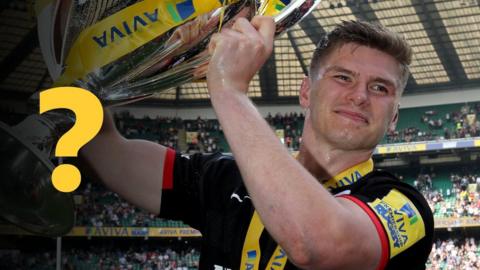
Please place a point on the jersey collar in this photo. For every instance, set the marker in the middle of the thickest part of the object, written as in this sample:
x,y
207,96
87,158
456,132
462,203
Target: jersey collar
x,y
350,175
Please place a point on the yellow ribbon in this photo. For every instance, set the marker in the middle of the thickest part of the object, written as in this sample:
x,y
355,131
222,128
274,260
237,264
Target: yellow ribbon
x,y
127,30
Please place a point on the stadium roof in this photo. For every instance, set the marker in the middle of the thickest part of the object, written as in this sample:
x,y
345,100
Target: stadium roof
x,y
445,36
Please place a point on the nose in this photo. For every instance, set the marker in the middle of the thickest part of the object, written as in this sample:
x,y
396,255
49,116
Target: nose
x,y
358,95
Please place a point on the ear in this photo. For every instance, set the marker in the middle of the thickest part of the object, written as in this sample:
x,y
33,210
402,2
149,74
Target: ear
x,y
305,93
394,121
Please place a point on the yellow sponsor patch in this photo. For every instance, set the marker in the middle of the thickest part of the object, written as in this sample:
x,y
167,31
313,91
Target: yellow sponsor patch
x,y
401,220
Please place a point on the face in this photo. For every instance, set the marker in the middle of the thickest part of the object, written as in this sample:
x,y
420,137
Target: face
x,y
353,99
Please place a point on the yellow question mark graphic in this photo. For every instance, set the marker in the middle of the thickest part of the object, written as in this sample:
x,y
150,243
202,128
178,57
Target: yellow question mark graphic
x,y
89,118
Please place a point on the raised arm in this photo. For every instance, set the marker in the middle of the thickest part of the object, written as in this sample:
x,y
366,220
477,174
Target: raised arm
x,y
317,230
131,168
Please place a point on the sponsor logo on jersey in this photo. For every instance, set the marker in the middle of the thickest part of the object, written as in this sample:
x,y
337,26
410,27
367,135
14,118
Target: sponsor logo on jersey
x,y
395,223
412,216
349,176
349,179
401,220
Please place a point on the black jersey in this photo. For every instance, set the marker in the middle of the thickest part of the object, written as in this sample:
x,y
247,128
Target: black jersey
x,y
207,193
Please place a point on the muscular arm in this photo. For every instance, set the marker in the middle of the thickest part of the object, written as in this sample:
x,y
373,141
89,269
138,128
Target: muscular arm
x,y
317,230
131,168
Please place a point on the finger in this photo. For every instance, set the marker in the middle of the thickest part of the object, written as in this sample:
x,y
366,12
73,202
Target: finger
x,y
218,38
186,34
200,71
243,26
230,33
213,43
180,34
265,25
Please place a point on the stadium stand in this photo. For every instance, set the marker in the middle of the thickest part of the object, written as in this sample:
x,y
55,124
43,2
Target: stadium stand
x,y
450,195
441,122
106,256
97,207
161,130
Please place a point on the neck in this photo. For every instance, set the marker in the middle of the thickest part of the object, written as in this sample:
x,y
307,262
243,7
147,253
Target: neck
x,y
324,162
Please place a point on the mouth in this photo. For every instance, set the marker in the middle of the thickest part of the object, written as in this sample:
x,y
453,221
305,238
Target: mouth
x,y
354,116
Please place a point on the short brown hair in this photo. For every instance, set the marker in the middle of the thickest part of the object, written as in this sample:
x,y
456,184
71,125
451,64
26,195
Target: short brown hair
x,y
367,34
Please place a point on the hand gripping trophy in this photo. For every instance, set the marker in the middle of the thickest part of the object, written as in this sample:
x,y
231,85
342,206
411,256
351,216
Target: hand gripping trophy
x,y
121,51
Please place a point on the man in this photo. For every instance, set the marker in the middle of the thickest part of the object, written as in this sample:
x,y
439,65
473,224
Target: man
x,y
327,209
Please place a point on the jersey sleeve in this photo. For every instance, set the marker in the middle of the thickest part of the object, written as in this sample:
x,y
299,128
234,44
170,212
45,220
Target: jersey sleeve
x,y
193,184
403,221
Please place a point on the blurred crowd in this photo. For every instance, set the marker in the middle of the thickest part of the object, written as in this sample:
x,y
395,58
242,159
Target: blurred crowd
x,y
451,254
433,125
460,199
291,125
206,135
459,253
103,258
202,135
98,207
162,130
455,254
467,122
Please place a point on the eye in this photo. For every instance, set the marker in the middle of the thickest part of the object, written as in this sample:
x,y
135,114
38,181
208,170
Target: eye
x,y
379,88
342,77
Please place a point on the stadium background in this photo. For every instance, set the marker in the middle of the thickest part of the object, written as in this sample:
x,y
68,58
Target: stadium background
x,y
435,148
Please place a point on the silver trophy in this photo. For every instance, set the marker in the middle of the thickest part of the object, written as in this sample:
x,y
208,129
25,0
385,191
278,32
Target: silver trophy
x,y
122,51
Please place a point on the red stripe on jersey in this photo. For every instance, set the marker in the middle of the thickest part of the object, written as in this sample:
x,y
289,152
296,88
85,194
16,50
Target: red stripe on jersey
x,y
378,225
168,169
